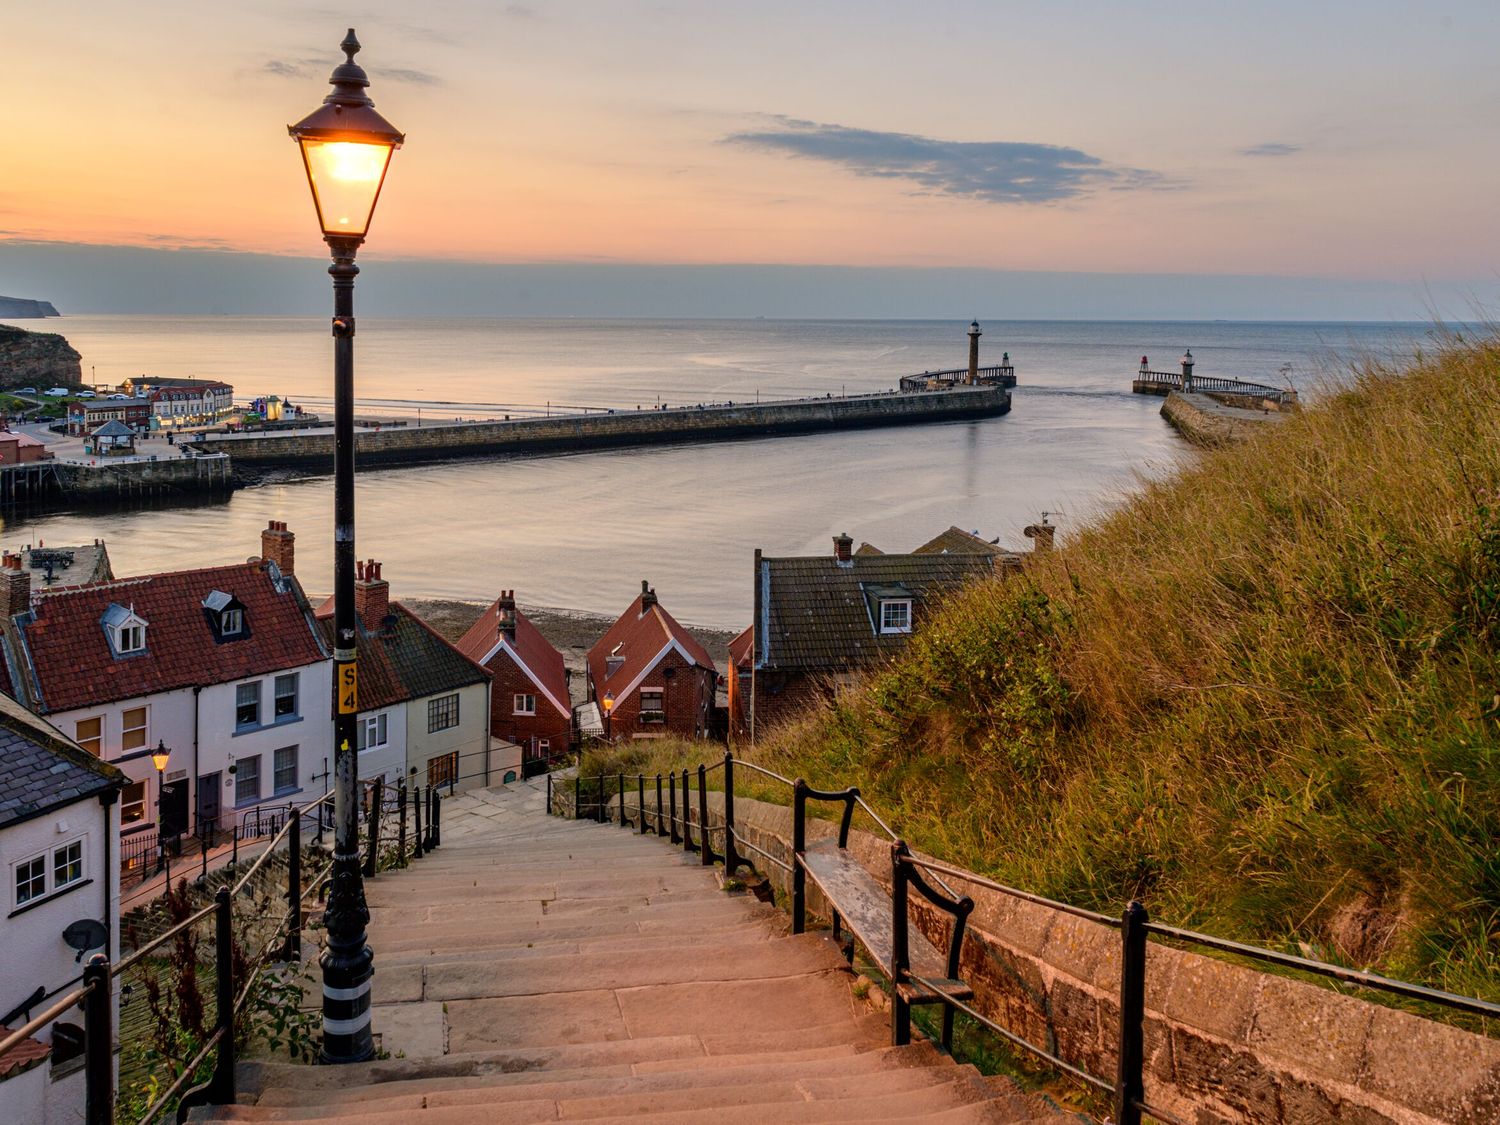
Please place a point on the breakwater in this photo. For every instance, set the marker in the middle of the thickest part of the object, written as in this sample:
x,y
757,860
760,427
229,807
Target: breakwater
x,y
612,430
61,484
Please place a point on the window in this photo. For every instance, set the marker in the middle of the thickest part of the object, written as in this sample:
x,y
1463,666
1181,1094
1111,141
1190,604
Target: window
x,y
232,622
247,704
371,733
133,729
286,769
442,771
133,803
442,713
67,865
286,696
89,733
247,780
31,879
895,616
544,747
132,638
524,705
653,706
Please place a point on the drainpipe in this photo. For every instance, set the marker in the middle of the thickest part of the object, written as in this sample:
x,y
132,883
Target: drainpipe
x,y
197,773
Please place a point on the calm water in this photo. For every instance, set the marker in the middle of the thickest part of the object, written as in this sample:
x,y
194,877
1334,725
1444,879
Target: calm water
x,y
582,531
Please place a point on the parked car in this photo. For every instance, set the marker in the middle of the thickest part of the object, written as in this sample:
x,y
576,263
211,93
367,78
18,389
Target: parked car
x,y
119,396
57,392
87,394
25,390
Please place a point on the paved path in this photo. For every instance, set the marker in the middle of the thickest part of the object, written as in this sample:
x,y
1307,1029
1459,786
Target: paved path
x,y
536,969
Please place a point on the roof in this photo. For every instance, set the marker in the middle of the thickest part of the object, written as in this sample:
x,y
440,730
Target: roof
x,y
41,769
640,636
70,663
532,653
956,541
99,405
23,1056
77,565
19,439
114,428
817,615
869,549
741,649
406,661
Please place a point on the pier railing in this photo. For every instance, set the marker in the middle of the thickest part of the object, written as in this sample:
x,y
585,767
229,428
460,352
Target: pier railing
x,y
1160,382
1002,374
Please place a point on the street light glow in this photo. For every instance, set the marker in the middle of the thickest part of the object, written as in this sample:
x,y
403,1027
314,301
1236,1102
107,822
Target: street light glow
x,y
345,178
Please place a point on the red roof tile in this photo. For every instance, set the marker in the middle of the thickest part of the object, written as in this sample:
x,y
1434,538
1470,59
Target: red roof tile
x,y
640,635
23,1056
409,660
74,665
530,649
740,648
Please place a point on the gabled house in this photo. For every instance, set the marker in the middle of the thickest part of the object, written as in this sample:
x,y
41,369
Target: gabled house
x,y
59,818
821,620
223,667
424,705
650,676
530,704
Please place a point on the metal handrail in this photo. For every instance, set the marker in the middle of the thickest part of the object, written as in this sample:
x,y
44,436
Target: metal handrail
x,y
160,939
24,1032
762,769
293,811
744,843
182,1079
1027,896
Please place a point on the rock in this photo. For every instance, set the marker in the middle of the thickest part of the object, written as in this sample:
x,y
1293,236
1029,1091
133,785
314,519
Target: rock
x,y
24,308
37,359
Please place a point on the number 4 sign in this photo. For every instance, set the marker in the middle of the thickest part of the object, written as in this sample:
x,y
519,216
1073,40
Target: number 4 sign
x,y
348,688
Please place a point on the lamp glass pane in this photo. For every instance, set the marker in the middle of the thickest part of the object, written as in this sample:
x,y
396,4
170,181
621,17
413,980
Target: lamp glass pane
x,y
345,178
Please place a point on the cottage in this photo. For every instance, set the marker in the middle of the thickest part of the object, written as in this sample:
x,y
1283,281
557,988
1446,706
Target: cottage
x,y
530,704
423,703
59,817
650,676
22,449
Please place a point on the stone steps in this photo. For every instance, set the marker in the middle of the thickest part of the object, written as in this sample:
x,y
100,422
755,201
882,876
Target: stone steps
x,y
533,969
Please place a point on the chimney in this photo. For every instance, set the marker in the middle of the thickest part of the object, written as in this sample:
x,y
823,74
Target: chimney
x,y
507,613
15,586
1042,533
648,596
843,548
277,545
372,595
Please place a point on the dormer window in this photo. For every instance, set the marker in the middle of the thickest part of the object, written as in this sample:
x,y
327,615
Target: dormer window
x,y
895,615
125,629
226,616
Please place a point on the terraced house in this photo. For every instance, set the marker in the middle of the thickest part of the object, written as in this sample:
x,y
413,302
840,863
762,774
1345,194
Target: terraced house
x,y
224,668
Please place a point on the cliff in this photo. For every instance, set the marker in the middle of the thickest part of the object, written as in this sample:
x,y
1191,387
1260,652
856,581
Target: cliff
x,y
37,359
23,308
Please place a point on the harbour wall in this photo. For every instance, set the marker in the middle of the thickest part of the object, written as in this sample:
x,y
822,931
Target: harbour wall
x,y
1212,424
577,432
57,484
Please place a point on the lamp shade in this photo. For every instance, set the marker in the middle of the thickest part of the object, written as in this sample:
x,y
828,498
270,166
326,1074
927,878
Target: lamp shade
x,y
609,702
346,148
160,755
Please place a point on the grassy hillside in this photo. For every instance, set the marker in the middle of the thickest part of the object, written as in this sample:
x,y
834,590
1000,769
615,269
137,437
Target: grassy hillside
x,y
1262,697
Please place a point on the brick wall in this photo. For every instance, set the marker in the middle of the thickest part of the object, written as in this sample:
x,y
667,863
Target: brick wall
x,y
687,692
547,723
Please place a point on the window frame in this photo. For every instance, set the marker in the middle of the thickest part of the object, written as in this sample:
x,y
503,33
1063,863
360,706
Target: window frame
x,y
63,849
130,632
277,714
903,604
656,714
125,803
379,721
16,879
97,739
277,788
126,731
240,723
240,775
523,703
438,709
232,622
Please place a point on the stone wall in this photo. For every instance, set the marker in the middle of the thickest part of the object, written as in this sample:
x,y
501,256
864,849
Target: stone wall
x,y
1224,1043
1213,424
618,429
37,359
124,479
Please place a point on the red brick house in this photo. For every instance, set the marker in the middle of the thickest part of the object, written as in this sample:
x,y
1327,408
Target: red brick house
x,y
529,704
660,678
741,677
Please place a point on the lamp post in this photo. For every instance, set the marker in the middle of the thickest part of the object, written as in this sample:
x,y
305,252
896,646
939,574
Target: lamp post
x,y
609,707
159,758
346,148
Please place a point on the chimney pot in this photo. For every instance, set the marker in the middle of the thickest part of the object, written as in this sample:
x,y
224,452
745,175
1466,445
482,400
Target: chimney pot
x,y
843,547
15,587
278,545
648,595
372,596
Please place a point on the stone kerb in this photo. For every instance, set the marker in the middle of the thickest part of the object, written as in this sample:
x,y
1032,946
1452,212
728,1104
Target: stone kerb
x,y
1224,1043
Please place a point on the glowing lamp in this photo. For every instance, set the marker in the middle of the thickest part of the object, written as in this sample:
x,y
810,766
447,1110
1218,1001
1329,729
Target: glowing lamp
x,y
346,148
609,702
160,755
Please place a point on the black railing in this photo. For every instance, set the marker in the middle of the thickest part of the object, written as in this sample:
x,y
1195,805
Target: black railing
x,y
1001,373
591,800
1173,380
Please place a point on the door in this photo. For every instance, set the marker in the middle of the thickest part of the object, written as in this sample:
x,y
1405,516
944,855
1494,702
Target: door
x,y
174,808
210,786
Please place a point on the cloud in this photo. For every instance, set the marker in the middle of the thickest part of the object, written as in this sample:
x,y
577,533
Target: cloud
x,y
282,68
992,171
1271,148
404,74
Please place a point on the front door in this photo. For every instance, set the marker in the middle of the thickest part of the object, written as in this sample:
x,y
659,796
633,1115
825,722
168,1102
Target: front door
x,y
174,808
210,785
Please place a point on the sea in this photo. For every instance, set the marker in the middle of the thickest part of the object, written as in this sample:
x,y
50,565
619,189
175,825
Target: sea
x,y
582,531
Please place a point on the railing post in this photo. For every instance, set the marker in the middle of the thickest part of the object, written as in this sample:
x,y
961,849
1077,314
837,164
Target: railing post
x,y
705,853
234,847
621,780
416,812
731,856
293,947
687,805
1130,1086
640,801
437,818
799,845
660,830
400,821
221,1085
900,949
427,840
373,823
99,1043
549,792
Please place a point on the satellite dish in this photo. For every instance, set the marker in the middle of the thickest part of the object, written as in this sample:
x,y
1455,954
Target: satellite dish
x,y
83,935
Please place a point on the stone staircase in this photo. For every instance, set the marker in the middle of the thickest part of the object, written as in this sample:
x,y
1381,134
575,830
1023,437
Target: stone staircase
x,y
537,969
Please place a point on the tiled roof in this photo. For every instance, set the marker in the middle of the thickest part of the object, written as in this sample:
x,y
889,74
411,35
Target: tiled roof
x,y
530,648
640,634
23,1056
408,661
40,769
869,549
72,664
956,541
815,615
741,648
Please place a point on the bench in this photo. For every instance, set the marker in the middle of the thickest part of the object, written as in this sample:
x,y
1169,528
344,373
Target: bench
x,y
858,901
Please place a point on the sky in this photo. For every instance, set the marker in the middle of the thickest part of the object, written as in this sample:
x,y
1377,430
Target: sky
x,y
1349,145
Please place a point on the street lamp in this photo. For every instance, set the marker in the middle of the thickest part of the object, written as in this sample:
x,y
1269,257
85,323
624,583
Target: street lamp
x,y
346,147
609,707
159,759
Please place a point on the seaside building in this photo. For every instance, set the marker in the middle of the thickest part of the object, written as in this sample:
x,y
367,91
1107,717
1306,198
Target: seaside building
x,y
87,416
190,402
223,667
111,439
22,449
655,675
530,704
423,703
59,819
